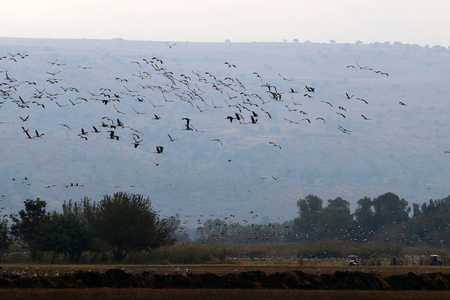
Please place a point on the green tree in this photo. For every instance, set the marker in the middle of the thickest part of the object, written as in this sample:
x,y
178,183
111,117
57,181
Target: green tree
x,y
27,225
429,223
64,234
389,209
5,238
83,212
364,214
127,223
335,219
309,209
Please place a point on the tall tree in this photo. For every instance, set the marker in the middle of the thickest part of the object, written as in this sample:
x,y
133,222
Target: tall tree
x,y
430,223
389,209
5,238
127,223
309,209
364,215
64,234
335,220
28,223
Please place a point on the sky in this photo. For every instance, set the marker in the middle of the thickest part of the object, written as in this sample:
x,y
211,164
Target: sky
x,y
345,21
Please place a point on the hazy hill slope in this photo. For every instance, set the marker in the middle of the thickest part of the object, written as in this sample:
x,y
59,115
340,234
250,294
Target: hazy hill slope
x,y
400,149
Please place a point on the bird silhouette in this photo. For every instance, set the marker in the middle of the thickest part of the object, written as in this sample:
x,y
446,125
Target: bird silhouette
x,y
272,143
187,125
39,135
170,45
217,140
171,139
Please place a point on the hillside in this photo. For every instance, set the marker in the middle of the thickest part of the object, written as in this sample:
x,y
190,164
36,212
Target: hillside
x,y
218,167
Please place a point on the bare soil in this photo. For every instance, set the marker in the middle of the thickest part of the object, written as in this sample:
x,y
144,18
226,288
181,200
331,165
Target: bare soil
x,y
222,269
217,294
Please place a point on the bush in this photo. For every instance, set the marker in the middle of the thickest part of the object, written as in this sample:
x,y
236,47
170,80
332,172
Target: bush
x,y
17,257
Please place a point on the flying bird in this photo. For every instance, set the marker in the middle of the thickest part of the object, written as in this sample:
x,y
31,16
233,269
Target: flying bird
x,y
39,135
363,100
170,45
344,130
284,78
309,89
320,118
217,140
272,143
230,65
188,121
171,139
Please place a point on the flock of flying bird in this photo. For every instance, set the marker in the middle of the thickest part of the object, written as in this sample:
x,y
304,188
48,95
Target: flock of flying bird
x,y
188,88
242,104
152,85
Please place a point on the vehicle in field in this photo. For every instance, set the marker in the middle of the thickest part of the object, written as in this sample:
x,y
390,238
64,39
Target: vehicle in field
x,y
436,260
353,260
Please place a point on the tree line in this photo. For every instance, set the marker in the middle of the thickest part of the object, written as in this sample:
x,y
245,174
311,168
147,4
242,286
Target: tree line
x,y
386,218
124,223
120,223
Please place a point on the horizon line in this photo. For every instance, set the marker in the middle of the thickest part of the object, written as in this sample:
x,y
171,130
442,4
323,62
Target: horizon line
x,y
225,41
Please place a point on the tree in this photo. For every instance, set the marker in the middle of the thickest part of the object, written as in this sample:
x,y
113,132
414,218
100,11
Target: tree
x,y
63,234
28,225
127,223
364,214
309,209
389,209
430,223
335,219
5,239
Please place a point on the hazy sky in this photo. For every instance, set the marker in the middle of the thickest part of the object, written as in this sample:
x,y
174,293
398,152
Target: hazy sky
x,y
408,21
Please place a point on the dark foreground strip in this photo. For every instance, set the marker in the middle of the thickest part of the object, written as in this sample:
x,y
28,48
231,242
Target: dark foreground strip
x,y
117,278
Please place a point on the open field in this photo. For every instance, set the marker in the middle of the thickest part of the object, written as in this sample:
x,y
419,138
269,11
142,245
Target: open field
x,y
222,269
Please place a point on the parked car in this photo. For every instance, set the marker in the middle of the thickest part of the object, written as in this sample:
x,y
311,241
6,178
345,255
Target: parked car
x,y
353,260
436,260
